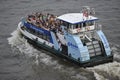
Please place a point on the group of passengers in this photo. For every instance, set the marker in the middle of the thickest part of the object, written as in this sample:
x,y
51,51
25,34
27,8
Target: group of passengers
x,y
46,21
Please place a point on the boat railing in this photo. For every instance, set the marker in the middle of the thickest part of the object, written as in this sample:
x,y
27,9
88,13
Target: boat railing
x,y
98,27
46,21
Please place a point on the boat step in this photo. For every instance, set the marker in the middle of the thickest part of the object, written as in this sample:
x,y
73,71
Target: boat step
x,y
94,48
97,49
92,54
90,47
96,45
99,53
95,42
91,51
89,43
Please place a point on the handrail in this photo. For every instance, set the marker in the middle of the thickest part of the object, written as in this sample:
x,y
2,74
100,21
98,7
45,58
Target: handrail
x,y
98,27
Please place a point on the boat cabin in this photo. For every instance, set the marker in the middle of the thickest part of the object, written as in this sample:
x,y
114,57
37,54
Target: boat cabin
x,y
76,22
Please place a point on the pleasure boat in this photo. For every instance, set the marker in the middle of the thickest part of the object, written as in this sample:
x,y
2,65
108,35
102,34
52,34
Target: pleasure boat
x,y
76,37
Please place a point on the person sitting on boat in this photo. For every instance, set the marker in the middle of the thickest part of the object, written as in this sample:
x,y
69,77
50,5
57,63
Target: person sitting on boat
x,y
46,21
31,19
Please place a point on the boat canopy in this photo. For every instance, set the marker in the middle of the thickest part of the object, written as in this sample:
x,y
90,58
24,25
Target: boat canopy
x,y
74,18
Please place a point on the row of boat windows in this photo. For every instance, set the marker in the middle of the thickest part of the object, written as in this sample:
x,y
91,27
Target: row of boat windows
x,y
79,25
38,34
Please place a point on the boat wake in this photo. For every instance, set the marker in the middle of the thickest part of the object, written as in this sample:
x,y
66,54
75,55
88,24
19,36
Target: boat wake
x,y
108,71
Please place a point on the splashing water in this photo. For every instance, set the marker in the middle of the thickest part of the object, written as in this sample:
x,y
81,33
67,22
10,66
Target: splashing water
x,y
24,47
107,71
20,43
100,72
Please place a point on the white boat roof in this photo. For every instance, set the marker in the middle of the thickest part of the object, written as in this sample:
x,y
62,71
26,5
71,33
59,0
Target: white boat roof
x,y
74,18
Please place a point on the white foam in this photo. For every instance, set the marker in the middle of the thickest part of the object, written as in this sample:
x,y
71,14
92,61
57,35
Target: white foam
x,y
16,40
98,76
116,51
112,69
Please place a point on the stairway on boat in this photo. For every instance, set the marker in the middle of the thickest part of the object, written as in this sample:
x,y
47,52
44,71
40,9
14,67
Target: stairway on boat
x,y
94,48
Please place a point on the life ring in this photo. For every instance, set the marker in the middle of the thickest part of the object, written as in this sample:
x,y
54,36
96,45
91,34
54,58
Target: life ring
x,y
88,28
78,30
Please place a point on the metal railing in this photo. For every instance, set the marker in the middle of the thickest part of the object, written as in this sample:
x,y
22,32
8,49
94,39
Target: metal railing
x,y
98,27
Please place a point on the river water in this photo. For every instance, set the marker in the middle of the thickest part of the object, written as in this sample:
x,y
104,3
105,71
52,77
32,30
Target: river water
x,y
19,60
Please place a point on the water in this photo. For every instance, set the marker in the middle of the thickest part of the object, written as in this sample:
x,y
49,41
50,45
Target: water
x,y
21,61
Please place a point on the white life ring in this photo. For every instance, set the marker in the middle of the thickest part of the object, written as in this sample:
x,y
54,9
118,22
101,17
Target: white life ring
x,y
78,30
87,28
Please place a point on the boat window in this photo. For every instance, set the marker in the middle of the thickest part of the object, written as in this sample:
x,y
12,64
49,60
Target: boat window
x,y
31,30
44,37
90,23
70,26
74,26
65,24
48,38
84,24
39,34
77,26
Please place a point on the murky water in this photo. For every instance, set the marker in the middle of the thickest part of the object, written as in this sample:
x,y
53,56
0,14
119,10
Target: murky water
x,y
19,60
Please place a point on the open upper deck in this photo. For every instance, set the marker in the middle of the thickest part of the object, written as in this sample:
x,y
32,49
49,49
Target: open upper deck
x,y
74,18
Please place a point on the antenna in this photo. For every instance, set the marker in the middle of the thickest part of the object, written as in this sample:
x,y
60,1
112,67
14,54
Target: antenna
x,y
92,11
86,10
